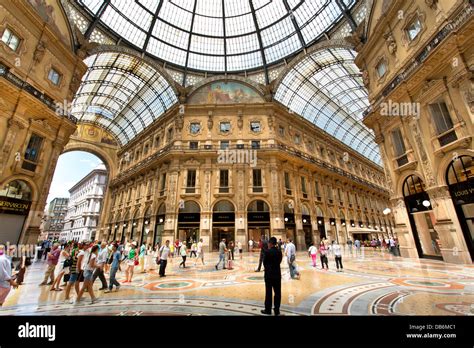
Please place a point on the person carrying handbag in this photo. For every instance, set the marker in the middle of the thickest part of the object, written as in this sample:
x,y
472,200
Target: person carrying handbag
x,y
132,261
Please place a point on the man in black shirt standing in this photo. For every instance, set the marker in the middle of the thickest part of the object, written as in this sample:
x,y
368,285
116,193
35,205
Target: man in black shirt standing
x,y
271,262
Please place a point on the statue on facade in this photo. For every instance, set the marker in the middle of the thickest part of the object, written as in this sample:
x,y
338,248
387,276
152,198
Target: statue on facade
x,y
391,44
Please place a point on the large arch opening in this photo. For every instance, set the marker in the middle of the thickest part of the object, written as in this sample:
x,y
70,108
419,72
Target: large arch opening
x,y
76,197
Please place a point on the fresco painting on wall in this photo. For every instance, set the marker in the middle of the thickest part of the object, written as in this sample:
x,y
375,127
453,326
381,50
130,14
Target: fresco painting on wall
x,y
225,93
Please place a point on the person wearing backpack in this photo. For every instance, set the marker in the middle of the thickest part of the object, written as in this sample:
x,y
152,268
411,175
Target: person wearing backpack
x,y
89,269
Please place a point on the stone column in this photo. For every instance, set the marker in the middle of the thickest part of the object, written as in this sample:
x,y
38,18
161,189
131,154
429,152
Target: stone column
x,y
14,127
403,229
171,222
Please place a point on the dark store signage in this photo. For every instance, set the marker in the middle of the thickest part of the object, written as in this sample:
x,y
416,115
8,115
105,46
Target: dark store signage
x,y
289,219
414,202
259,216
14,206
189,217
223,217
462,192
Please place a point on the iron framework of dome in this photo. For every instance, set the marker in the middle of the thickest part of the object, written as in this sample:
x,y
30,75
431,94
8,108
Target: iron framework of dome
x,y
218,35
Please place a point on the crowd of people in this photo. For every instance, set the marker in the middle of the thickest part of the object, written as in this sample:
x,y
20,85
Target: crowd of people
x,y
78,264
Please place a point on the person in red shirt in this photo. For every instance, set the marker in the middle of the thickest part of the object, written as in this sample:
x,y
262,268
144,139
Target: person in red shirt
x,y
53,257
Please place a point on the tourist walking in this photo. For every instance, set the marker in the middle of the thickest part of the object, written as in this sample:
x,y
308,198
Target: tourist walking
x,y
163,257
101,262
349,245
53,258
291,258
323,250
114,267
263,247
193,249
64,264
141,258
272,276
250,245
222,251
336,248
74,270
6,279
231,250
200,252
239,246
312,252
132,261
183,253
89,269
357,246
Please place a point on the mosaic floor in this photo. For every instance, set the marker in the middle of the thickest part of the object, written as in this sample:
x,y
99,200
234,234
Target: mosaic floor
x,y
375,283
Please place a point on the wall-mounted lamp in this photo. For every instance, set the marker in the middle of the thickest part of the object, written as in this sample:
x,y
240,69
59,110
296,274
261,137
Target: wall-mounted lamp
x,y
343,224
426,203
161,220
124,225
387,211
320,222
134,224
304,221
146,222
286,219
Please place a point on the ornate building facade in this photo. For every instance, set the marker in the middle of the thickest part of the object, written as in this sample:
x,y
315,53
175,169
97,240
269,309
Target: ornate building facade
x,y
418,63
213,168
40,69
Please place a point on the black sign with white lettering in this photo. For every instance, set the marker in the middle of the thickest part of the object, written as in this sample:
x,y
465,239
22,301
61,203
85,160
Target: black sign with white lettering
x,y
15,206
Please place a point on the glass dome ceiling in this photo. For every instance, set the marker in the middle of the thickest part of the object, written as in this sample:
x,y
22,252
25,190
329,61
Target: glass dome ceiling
x,y
218,35
122,94
326,88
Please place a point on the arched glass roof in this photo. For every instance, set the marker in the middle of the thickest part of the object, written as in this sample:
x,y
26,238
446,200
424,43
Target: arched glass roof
x,y
326,88
122,94
218,35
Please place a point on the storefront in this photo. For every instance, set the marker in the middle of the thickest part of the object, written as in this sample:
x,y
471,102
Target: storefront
x,y
258,221
320,223
189,218
15,204
223,223
460,180
422,219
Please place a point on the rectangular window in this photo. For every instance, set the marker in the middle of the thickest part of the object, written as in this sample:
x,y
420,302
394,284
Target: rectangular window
x,y
224,144
255,144
441,117
381,69
163,184
297,139
330,193
191,181
10,39
303,187
54,76
287,183
398,144
224,180
169,134
316,189
193,145
281,130
240,146
32,152
257,180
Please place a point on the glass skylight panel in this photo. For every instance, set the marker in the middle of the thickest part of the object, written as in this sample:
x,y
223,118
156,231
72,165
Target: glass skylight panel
x,y
277,32
243,44
236,8
270,13
170,34
211,8
209,63
208,26
151,5
92,5
244,61
239,25
166,52
176,15
122,26
207,45
282,49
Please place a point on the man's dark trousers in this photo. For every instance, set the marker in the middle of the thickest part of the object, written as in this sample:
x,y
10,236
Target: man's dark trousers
x,y
99,272
163,267
272,285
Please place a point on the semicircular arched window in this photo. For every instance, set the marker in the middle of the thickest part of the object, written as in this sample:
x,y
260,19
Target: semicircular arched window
x,y
18,189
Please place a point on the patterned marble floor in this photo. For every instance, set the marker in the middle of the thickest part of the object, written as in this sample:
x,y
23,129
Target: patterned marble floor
x,y
375,283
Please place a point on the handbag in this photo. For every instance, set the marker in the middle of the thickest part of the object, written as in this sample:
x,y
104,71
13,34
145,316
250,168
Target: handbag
x,y
136,262
67,262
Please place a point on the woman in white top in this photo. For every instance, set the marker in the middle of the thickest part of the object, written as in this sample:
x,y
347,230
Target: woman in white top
x,y
63,256
250,245
312,252
89,269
